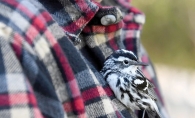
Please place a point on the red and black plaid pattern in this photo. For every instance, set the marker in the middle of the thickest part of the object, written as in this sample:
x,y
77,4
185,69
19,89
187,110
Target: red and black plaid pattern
x,y
58,81
17,98
43,74
43,61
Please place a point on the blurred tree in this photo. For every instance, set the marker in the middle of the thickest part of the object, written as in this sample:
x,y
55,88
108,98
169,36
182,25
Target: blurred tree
x,y
169,31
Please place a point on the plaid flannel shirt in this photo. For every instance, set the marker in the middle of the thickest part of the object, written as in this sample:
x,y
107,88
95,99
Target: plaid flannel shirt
x,y
42,72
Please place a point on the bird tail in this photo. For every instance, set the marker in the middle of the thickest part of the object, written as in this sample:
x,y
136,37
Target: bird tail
x,y
153,114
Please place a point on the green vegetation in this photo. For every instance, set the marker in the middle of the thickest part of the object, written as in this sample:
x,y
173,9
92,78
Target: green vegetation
x,y
169,31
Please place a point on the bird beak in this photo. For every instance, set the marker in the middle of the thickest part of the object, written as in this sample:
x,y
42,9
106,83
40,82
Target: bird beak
x,y
139,63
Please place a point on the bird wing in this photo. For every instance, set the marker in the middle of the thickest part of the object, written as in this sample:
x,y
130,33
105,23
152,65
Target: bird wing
x,y
151,92
149,87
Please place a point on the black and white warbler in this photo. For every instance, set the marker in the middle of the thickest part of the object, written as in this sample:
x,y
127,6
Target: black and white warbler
x,y
129,84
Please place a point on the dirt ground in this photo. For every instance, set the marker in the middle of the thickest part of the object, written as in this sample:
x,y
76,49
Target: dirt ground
x,y
178,88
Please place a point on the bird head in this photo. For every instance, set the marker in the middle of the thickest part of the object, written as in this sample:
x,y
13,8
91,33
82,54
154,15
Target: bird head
x,y
122,61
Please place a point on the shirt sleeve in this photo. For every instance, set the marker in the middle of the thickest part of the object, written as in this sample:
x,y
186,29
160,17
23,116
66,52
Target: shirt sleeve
x,y
17,99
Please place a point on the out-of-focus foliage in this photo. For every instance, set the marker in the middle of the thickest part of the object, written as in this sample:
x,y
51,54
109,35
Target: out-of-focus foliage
x,y
169,31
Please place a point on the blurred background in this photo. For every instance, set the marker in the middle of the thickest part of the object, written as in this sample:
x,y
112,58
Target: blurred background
x,y
169,37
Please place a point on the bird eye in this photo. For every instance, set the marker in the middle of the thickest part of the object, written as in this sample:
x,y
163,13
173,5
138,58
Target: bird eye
x,y
126,62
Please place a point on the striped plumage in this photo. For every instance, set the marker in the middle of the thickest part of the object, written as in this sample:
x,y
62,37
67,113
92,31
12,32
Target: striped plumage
x,y
128,83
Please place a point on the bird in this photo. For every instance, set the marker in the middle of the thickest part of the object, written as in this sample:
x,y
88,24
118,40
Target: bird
x,y
130,86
